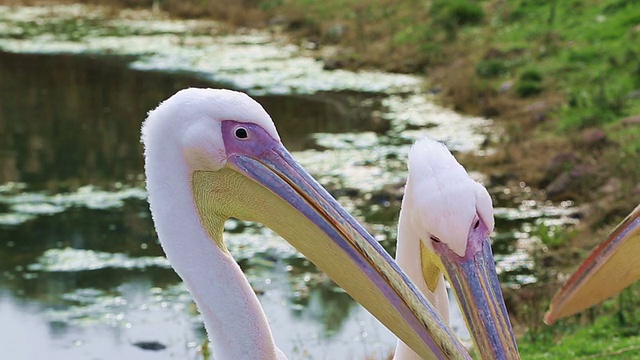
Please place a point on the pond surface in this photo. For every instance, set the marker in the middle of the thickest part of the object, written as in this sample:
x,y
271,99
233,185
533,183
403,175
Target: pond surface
x,y
81,273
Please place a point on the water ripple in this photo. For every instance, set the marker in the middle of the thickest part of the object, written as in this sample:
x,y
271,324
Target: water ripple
x,y
73,260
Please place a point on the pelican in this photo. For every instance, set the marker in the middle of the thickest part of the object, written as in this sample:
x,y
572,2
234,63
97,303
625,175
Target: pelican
x,y
445,222
609,269
214,154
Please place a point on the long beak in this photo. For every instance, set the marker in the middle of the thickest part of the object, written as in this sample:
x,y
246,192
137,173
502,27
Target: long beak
x,y
610,268
477,288
287,199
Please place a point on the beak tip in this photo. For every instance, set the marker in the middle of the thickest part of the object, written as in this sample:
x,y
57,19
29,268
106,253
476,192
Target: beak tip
x,y
549,319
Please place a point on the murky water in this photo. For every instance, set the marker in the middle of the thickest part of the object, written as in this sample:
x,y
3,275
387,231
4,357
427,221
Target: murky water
x,y
81,273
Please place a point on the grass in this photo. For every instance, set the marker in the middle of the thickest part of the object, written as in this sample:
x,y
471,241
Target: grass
x,y
587,53
610,331
602,340
550,236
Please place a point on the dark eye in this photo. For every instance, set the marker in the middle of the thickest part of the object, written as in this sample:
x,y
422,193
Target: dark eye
x,y
434,239
477,223
241,133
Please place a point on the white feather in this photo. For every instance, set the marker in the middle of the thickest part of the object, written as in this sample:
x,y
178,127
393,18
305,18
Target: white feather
x,y
441,200
182,133
444,199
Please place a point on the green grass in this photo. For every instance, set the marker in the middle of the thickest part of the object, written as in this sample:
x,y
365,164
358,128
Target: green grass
x,y
590,342
609,331
550,236
604,339
588,50
626,154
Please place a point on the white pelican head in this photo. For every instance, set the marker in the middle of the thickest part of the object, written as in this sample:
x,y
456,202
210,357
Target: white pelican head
x,y
450,204
453,216
216,154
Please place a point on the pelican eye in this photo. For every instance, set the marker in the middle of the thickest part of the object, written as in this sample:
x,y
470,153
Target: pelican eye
x,y
241,133
476,224
434,239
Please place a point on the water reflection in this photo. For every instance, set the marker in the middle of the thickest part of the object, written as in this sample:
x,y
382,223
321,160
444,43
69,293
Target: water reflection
x,y
68,120
77,297
74,120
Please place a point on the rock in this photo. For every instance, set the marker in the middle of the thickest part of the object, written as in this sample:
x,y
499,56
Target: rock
x,y
635,94
594,137
612,186
150,345
434,90
379,125
576,256
311,44
332,58
550,260
348,192
559,188
332,64
559,185
613,213
560,162
537,111
297,24
278,20
537,106
581,170
500,178
390,193
506,86
335,33
631,120
584,211
493,53
258,292
538,118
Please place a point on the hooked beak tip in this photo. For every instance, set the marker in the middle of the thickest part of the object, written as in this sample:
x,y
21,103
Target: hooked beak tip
x,y
548,318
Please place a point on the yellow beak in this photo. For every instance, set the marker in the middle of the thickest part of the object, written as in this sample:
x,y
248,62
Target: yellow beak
x,y
610,268
264,183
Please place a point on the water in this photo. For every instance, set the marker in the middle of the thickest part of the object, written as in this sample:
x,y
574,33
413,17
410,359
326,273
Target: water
x,y
81,273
